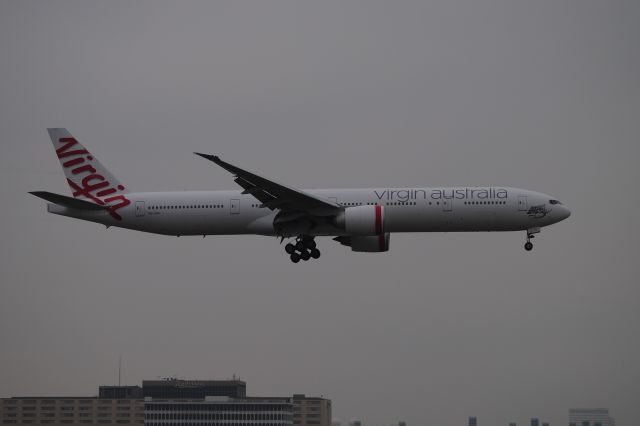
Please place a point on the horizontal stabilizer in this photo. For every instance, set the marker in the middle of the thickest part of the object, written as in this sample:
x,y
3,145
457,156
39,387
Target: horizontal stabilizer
x,y
63,200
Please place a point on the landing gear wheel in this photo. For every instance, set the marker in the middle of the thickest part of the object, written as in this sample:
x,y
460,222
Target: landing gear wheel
x,y
315,253
289,248
299,246
295,257
528,246
305,255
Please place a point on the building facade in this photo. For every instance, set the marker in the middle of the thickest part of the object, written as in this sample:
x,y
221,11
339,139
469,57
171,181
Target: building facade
x,y
168,403
219,411
311,411
71,411
193,389
590,417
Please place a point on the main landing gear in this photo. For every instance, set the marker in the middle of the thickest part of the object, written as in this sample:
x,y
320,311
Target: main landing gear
x,y
303,249
528,246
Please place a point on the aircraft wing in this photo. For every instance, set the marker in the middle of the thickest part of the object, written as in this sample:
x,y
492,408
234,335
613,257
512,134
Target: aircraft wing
x,y
274,195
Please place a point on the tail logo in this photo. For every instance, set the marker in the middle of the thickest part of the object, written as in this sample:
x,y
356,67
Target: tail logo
x,y
90,184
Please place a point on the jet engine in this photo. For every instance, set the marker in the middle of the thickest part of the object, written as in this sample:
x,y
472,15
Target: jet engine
x,y
368,244
362,220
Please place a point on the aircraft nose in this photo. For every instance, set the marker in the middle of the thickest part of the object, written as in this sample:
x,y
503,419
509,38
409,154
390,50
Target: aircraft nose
x,y
564,212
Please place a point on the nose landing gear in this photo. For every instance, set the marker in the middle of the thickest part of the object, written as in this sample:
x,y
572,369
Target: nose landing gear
x,y
528,246
303,249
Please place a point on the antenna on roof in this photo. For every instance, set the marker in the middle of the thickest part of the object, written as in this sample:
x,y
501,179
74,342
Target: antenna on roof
x,y
119,368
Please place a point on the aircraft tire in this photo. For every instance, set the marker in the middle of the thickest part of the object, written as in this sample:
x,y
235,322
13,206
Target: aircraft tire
x,y
295,257
289,248
305,255
309,243
315,253
528,246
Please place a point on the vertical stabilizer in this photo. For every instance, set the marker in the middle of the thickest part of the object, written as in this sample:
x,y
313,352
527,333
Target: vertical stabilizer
x,y
86,176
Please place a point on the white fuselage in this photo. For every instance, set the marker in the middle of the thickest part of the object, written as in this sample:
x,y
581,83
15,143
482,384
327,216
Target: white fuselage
x,y
457,209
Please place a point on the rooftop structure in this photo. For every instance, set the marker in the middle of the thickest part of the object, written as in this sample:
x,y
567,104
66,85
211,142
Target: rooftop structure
x,y
176,388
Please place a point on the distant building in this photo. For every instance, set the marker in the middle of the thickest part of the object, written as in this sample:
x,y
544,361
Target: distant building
x,y
356,423
473,421
333,423
71,411
311,411
193,389
590,417
119,392
168,403
535,422
545,424
216,411
402,424
512,424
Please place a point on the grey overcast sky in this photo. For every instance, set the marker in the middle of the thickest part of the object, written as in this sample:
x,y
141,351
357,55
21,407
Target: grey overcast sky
x,y
543,95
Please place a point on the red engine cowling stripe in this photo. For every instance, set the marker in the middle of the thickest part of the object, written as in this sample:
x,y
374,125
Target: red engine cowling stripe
x,y
379,223
382,246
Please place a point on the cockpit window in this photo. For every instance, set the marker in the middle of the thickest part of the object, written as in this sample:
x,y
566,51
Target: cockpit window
x,y
554,202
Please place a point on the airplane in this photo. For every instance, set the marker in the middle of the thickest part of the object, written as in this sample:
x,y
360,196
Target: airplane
x,y
362,219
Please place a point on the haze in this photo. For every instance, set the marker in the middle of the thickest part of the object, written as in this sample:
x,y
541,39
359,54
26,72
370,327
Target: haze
x,y
543,95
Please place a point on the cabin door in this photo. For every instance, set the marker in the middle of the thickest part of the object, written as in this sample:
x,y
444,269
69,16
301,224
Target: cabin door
x,y
139,208
522,202
234,206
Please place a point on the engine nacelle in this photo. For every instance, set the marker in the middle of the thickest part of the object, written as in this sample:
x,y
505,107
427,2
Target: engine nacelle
x,y
362,220
368,243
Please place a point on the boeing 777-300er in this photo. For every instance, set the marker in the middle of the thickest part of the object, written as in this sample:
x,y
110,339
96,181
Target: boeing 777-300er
x,y
362,219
